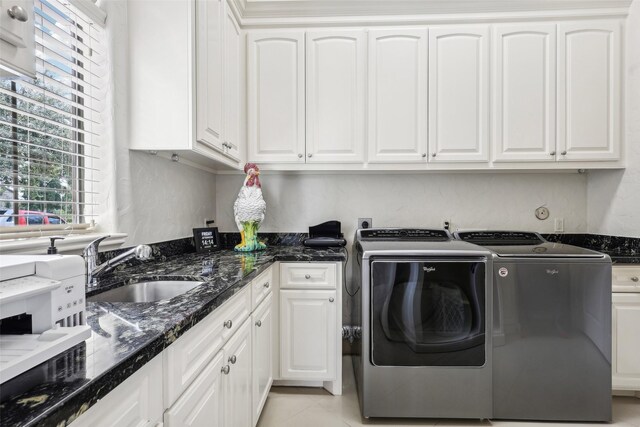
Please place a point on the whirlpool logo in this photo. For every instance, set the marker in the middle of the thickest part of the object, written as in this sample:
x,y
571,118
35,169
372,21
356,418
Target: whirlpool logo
x,y
552,272
429,269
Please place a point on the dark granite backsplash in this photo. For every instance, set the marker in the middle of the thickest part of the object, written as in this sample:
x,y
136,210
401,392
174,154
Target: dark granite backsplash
x,y
620,249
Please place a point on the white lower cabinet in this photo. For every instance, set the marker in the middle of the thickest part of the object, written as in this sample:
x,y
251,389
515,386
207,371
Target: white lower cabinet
x,y
137,402
625,364
308,334
237,379
201,404
262,336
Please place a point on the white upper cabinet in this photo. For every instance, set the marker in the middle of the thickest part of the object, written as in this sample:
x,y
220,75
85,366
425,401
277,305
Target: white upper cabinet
x,y
233,76
524,81
458,94
17,41
209,73
276,97
336,82
589,98
397,110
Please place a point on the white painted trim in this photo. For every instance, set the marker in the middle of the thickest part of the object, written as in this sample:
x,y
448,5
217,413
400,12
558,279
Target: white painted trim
x,y
93,12
71,244
291,21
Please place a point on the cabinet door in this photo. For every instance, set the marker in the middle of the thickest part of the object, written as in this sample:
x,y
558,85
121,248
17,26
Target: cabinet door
x,y
397,95
626,341
525,86
209,73
201,403
336,77
458,94
276,97
589,81
137,402
237,383
308,335
232,79
262,336
17,41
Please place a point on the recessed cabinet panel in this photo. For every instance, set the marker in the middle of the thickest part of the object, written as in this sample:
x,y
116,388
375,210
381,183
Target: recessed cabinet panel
x,y
589,90
232,79
458,94
209,72
336,82
626,341
262,320
524,98
308,334
276,96
201,403
397,110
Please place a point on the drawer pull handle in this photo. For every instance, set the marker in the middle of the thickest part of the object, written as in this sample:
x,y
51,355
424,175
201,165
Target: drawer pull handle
x,y
225,369
331,299
307,276
634,279
266,285
228,324
233,359
259,323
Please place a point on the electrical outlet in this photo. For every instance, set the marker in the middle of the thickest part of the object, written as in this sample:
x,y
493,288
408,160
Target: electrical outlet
x,y
558,225
365,222
446,224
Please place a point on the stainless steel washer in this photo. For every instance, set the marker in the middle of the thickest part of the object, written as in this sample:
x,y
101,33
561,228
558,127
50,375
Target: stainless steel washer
x,y
551,328
423,308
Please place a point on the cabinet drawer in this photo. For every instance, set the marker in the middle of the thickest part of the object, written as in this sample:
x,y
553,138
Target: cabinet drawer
x,y
303,275
188,356
262,285
626,278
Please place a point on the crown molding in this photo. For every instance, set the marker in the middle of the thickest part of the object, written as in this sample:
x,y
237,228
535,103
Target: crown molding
x,y
267,13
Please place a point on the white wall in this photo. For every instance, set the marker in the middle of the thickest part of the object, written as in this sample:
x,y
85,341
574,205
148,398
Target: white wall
x,y
468,200
613,198
150,198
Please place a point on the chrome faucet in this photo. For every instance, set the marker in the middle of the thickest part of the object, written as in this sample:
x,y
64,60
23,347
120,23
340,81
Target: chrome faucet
x,y
90,255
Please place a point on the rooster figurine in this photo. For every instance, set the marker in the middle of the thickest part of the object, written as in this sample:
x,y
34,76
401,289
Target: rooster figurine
x,y
249,210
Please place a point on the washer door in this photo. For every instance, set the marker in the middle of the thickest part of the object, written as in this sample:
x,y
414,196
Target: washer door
x,y
427,313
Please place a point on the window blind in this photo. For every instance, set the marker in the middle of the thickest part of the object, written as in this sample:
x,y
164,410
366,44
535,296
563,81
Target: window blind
x,y
51,128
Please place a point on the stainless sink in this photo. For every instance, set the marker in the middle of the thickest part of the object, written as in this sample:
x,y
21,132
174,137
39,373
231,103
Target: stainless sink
x,y
150,291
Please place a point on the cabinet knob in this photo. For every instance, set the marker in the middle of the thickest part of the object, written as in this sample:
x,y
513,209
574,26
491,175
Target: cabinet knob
x,y
233,359
266,285
553,153
310,155
331,299
228,324
424,154
18,13
225,369
634,279
564,153
300,155
433,154
259,323
307,276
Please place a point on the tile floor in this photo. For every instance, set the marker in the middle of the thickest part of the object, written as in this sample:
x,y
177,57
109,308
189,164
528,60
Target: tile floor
x,y
315,407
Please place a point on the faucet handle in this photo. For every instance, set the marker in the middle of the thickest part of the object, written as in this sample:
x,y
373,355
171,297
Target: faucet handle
x,y
93,246
143,252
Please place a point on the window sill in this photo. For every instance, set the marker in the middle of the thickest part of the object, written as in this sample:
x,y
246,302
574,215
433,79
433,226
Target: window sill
x,y
70,245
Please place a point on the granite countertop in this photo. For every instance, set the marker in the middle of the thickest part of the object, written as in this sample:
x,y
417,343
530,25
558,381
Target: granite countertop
x,y
125,336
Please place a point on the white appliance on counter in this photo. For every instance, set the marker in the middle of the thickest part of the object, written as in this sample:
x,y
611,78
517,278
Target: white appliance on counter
x,y
42,309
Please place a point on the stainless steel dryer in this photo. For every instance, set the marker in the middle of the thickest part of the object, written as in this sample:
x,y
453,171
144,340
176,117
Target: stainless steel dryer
x,y
423,306
551,328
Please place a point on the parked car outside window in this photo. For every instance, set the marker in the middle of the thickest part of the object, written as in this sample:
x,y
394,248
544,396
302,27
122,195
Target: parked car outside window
x,y
28,218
